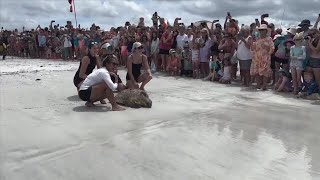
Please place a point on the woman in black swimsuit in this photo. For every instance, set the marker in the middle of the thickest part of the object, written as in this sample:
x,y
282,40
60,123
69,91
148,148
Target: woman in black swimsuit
x,y
138,68
87,64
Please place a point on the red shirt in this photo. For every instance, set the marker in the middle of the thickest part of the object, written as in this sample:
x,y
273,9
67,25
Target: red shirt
x,y
165,46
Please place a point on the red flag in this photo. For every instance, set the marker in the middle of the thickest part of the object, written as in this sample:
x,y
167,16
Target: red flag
x,y
70,1
71,9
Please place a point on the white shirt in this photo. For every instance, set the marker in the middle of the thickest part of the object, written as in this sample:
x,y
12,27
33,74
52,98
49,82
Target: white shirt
x,y
115,41
181,39
96,77
155,46
204,51
67,42
243,53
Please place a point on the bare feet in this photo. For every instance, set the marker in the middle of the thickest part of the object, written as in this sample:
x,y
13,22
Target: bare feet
x,y
103,102
89,104
117,108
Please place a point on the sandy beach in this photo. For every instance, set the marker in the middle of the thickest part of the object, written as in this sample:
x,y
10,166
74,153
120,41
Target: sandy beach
x,y
195,130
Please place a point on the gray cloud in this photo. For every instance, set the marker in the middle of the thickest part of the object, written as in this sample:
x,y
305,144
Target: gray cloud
x,y
107,13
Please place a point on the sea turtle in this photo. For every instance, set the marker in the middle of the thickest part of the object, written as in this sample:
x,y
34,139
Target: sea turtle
x,y
134,98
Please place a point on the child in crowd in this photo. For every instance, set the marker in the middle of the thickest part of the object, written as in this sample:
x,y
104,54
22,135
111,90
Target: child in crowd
x,y
215,70
124,51
284,82
226,77
186,60
172,67
297,56
309,88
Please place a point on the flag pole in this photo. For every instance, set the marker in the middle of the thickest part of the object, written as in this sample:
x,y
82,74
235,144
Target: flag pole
x,y
75,13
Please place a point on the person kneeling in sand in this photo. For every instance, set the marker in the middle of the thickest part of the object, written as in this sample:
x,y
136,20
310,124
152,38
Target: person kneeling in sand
x,y
309,88
98,85
138,68
284,83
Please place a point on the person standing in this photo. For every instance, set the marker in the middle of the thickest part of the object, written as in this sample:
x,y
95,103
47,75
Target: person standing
x,y
244,54
262,50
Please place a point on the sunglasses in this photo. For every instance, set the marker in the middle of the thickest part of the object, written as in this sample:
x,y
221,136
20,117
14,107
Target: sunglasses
x,y
139,47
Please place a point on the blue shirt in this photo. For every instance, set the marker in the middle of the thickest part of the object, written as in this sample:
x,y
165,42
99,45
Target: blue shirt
x,y
42,40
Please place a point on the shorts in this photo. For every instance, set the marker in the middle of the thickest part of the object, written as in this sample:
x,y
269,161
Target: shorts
x,y
245,64
84,95
298,64
163,51
281,60
314,62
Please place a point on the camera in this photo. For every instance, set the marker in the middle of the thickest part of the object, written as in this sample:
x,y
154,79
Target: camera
x,y
127,23
264,15
229,14
53,21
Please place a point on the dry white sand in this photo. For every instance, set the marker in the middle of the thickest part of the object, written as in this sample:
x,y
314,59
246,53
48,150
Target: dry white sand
x,y
195,130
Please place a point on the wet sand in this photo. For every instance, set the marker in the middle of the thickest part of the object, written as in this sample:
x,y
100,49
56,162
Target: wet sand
x,y
195,130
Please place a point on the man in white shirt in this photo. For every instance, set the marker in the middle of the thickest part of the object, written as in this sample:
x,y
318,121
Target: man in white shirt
x,y
98,85
182,37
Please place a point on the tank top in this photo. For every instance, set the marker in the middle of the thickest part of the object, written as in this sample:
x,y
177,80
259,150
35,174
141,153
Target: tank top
x,y
90,68
136,70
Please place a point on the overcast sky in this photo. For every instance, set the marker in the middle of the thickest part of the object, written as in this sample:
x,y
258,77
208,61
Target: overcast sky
x,y
107,13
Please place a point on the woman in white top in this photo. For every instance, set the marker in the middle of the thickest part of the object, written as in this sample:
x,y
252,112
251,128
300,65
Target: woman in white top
x,y
205,44
98,85
154,49
244,54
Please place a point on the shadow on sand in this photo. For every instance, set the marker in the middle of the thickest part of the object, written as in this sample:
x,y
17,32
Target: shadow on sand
x,y
74,98
99,108
316,103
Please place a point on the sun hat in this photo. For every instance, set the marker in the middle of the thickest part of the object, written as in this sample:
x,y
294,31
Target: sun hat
x,y
135,46
292,30
305,22
263,27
